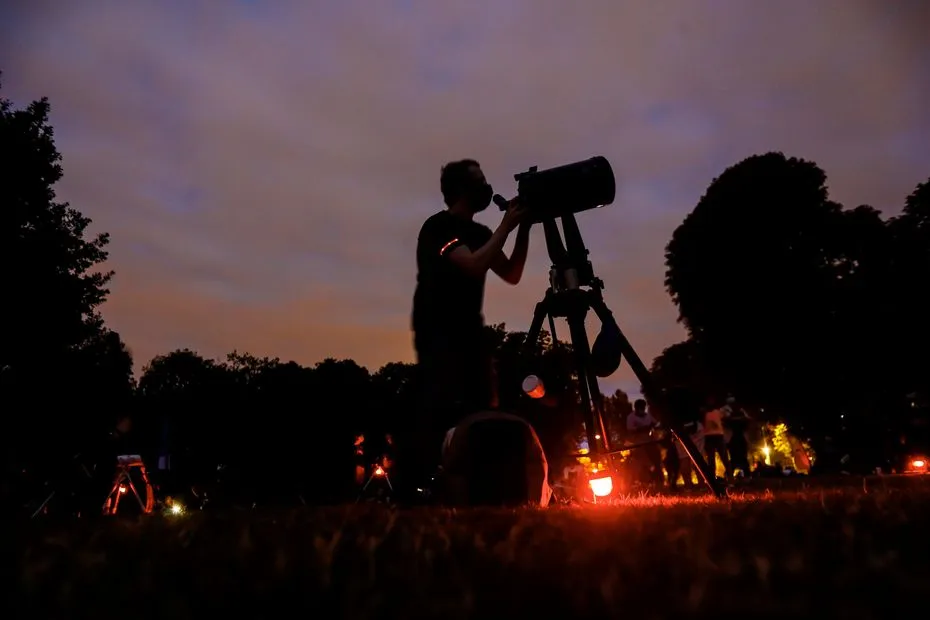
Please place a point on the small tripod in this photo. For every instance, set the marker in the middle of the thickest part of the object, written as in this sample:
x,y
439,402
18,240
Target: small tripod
x,y
122,484
573,290
378,474
69,487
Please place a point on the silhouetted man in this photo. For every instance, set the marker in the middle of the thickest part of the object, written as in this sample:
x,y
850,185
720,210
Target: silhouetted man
x,y
454,254
714,442
736,418
639,426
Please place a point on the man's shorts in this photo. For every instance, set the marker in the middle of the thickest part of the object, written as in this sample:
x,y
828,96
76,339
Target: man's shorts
x,y
456,375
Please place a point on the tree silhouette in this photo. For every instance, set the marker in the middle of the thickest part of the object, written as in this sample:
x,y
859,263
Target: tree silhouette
x,y
184,404
910,273
617,407
770,276
55,353
682,365
58,289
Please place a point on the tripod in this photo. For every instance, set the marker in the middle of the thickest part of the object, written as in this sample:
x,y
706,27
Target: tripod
x,y
378,474
122,483
69,485
573,290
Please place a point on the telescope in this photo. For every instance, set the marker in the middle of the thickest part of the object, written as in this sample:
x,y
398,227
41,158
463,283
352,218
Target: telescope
x,y
574,290
572,188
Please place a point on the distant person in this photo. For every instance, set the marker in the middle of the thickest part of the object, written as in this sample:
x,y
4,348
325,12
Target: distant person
x,y
714,442
737,420
639,426
685,466
454,254
671,461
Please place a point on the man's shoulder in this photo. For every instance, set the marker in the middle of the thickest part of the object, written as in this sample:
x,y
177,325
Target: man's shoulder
x,y
443,222
482,229
436,219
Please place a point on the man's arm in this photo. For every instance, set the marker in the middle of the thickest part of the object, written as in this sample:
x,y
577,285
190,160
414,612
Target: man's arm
x,y
510,270
478,262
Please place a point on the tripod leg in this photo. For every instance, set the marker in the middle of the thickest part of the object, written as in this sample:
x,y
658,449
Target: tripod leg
x,y
642,373
587,386
149,491
364,488
43,504
116,501
135,492
539,315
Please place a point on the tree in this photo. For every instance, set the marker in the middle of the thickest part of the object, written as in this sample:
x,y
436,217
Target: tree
x,y
768,275
682,365
188,405
56,356
910,273
617,407
56,288
101,373
394,389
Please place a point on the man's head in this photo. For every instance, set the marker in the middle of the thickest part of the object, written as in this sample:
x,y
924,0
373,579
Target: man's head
x,y
463,182
639,407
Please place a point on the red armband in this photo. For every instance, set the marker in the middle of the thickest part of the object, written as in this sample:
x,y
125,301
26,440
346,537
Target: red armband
x,y
449,246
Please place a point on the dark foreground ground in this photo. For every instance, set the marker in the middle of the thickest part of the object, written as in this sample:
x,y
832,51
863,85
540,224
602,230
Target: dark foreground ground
x,y
856,550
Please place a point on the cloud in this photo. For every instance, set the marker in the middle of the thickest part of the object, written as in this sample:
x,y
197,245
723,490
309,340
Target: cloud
x,y
264,167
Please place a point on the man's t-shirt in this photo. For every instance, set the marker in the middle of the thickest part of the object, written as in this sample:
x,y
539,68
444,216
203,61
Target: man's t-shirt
x,y
447,298
636,423
696,430
713,422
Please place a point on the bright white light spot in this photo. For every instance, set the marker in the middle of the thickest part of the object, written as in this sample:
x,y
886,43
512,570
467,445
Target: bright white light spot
x,y
602,487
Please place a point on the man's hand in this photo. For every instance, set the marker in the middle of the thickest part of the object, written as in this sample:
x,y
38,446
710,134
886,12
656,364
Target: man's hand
x,y
514,215
477,263
510,269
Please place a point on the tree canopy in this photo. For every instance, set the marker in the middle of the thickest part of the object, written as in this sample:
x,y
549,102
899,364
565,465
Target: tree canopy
x,y
55,352
789,299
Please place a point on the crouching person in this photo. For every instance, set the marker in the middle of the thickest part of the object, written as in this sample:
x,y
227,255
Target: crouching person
x,y
494,459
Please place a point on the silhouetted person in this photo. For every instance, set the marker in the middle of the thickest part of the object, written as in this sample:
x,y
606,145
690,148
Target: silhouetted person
x,y
672,461
454,254
714,442
639,425
686,467
736,418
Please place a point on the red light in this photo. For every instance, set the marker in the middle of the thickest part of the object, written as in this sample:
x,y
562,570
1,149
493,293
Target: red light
x,y
601,487
379,471
534,387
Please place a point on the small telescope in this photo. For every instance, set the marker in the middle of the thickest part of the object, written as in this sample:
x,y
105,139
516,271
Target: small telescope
x,y
572,188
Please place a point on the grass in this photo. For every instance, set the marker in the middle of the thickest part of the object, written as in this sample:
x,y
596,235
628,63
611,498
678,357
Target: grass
x,y
858,550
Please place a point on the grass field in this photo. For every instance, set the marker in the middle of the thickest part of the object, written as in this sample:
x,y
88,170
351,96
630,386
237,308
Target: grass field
x,y
855,550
